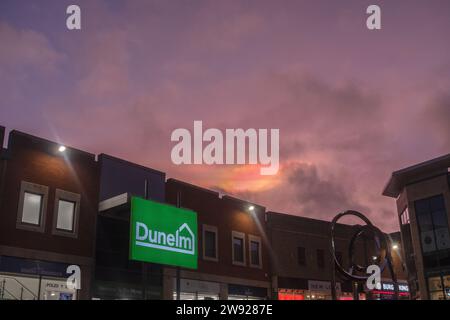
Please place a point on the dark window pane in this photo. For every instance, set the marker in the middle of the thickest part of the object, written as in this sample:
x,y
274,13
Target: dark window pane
x,y
254,252
425,222
238,245
210,244
440,219
444,259
430,261
433,225
320,258
301,256
437,203
422,206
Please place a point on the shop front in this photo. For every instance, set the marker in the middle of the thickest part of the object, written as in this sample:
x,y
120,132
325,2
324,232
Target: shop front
x,y
240,292
303,289
321,290
25,279
197,290
387,291
116,277
439,286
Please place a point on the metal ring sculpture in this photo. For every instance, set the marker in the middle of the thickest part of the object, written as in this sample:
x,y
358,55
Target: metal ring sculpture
x,y
381,242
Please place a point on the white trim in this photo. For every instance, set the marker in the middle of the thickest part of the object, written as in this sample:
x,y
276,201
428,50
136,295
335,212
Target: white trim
x,y
75,198
113,202
37,189
239,235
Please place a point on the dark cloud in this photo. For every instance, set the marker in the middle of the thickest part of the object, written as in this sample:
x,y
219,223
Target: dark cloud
x,y
319,196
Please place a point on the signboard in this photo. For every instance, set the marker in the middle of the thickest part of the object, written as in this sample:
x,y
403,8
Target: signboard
x,y
322,286
164,234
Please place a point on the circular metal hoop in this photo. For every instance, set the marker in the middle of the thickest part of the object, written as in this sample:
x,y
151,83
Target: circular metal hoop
x,y
378,236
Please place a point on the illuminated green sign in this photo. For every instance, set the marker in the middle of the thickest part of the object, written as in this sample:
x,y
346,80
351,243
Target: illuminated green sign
x,y
163,234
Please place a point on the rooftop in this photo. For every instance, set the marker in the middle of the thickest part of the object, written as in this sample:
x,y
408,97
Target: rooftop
x,y
416,173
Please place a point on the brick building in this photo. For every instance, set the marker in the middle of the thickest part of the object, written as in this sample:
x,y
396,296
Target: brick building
x,y
49,197
233,254
301,258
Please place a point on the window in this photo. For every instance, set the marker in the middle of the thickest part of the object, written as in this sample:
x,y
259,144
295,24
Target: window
x,y
405,227
238,251
210,246
320,258
66,212
301,256
255,251
439,287
433,225
404,217
32,207
32,204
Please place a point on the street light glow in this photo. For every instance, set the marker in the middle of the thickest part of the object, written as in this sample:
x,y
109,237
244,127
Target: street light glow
x,y
251,208
62,148
395,247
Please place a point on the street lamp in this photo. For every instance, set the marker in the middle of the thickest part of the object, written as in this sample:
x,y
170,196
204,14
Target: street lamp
x,y
395,247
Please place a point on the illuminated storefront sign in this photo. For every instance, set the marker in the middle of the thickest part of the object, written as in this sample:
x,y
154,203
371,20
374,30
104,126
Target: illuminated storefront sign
x,y
323,286
163,234
289,294
388,290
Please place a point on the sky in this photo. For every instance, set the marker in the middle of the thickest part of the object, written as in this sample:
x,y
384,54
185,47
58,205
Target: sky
x,y
352,105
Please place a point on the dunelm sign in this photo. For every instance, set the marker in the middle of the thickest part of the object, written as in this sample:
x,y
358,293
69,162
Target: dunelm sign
x,y
163,234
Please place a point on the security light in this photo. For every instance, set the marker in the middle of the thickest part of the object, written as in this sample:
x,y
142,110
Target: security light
x,y
251,208
62,148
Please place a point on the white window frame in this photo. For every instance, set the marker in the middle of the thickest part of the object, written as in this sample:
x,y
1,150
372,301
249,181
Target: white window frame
x,y
214,230
252,238
33,188
69,197
240,235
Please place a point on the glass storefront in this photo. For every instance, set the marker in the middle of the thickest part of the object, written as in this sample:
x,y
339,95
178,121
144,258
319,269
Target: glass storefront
x,y
196,296
439,287
240,292
25,287
294,294
196,290
26,279
206,290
